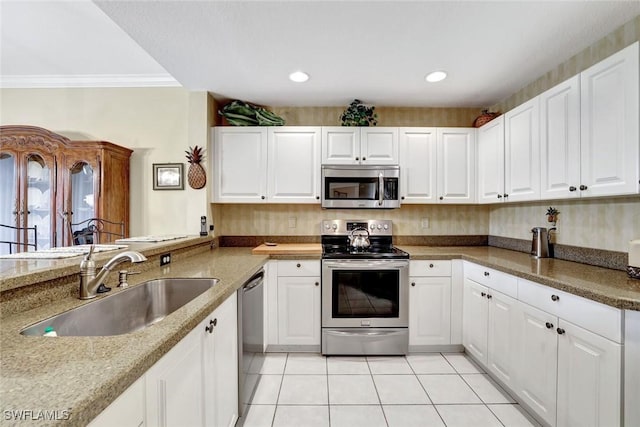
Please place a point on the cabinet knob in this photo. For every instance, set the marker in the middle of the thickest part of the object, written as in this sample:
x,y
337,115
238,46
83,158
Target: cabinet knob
x,y
317,197
212,323
505,195
262,197
430,265
560,331
499,196
483,294
357,158
555,297
583,187
549,325
317,283
489,296
298,265
441,198
572,188
402,198
486,274
413,283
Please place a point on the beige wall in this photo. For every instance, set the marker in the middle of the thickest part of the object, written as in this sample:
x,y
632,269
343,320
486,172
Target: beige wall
x,y
249,220
601,223
157,123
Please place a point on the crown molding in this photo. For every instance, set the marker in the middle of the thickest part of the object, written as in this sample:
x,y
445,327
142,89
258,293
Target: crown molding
x,y
87,80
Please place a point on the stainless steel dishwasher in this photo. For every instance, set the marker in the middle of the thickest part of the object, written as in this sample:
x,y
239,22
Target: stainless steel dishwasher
x,y
250,338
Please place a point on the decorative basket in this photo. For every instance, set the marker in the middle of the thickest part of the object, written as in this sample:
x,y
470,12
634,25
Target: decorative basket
x,y
484,118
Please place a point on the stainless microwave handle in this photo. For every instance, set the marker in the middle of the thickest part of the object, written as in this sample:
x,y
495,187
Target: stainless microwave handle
x,y
380,188
380,264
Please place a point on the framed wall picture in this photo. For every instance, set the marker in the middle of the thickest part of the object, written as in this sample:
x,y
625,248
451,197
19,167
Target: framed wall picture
x,y
168,176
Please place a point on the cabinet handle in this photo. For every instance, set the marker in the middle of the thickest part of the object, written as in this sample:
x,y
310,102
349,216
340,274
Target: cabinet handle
x,y
572,188
413,283
483,294
317,283
486,274
549,325
560,331
298,265
215,322
489,296
555,297
499,196
583,187
430,265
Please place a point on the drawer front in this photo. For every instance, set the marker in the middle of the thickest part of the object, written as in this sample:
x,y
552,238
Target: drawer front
x,y
299,268
439,268
591,315
491,278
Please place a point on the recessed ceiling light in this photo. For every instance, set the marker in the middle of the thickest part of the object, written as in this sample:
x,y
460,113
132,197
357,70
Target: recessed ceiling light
x,y
299,77
436,76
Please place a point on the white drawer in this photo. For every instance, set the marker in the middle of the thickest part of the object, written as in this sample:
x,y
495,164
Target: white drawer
x,y
441,268
298,268
494,279
591,315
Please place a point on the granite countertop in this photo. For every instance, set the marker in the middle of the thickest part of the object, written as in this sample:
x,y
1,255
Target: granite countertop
x,y
85,374
611,287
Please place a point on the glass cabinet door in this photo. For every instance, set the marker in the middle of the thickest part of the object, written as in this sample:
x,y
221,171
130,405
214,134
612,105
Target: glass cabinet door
x,y
38,202
8,203
81,195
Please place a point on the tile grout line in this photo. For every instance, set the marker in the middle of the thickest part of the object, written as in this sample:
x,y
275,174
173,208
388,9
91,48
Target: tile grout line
x,y
284,369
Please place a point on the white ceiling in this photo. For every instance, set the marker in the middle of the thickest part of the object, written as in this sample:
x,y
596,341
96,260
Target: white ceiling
x,y
377,51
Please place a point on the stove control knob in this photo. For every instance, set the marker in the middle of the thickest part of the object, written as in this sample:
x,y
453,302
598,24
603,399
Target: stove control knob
x,y
327,226
379,226
334,226
373,227
386,226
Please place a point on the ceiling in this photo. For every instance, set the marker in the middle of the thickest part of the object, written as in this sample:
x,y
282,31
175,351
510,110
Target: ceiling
x,y
376,51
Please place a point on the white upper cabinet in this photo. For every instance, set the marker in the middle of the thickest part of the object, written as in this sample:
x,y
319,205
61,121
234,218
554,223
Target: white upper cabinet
x,y
456,165
522,152
340,145
418,165
437,165
379,146
240,170
293,165
560,141
491,161
344,145
610,125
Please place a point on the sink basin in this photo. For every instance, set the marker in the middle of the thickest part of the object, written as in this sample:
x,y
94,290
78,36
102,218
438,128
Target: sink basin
x,y
130,310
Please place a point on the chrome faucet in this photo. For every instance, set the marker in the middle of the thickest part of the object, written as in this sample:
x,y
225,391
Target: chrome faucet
x,y
91,284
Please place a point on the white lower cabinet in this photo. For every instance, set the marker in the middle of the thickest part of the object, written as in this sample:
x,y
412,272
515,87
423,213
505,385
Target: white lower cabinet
x,y
298,299
126,411
430,303
196,382
475,316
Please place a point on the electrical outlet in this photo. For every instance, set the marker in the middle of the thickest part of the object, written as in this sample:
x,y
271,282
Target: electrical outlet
x,y
165,259
424,223
211,227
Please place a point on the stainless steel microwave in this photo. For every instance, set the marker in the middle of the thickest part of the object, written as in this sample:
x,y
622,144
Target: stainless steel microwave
x,y
354,187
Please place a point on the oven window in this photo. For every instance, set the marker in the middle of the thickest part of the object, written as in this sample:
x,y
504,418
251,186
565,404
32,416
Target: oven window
x,y
358,293
351,189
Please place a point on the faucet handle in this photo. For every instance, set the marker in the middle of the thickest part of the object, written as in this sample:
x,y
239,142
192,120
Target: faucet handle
x,y
122,277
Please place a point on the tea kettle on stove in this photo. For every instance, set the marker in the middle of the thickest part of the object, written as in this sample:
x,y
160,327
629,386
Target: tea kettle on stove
x,y
359,241
540,242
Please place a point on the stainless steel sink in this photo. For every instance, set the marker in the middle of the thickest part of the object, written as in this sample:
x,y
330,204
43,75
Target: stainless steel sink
x,y
130,310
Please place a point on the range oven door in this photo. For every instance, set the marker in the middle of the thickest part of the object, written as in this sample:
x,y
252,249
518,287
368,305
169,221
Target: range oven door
x,y
360,187
365,293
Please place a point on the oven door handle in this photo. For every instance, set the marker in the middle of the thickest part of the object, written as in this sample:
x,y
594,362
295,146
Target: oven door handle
x,y
380,188
351,264
363,332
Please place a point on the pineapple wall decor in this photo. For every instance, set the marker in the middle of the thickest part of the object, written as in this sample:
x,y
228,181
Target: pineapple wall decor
x,y
196,175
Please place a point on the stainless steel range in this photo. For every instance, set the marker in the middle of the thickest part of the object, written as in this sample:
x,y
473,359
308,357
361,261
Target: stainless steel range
x,y
365,289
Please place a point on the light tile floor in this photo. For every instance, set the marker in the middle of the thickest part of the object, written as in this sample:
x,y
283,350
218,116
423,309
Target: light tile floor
x,y
431,389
